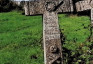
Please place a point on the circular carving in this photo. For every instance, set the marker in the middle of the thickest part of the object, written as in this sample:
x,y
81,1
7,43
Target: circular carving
x,y
53,49
50,6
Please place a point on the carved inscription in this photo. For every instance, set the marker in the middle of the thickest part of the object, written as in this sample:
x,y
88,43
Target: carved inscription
x,y
51,36
51,25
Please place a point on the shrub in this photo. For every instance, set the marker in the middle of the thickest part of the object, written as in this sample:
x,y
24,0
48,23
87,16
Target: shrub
x,y
6,5
77,49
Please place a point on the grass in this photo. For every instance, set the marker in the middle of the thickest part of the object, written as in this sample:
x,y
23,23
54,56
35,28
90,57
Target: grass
x,y
20,39
75,28
76,32
21,36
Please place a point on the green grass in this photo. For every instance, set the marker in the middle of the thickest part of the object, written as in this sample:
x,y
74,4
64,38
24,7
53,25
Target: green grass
x,y
76,31
21,37
75,28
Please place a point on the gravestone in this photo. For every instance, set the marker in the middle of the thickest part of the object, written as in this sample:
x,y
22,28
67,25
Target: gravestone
x,y
51,32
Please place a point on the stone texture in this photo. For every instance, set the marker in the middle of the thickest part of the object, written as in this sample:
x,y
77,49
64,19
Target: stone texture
x,y
51,33
84,5
92,16
51,36
38,7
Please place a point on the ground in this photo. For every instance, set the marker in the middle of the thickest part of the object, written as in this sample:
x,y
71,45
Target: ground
x,y
21,38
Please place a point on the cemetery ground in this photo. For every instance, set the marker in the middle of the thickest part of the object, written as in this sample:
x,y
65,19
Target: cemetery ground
x,y
21,39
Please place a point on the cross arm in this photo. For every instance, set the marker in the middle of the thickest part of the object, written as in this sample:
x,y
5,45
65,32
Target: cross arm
x,y
39,7
84,5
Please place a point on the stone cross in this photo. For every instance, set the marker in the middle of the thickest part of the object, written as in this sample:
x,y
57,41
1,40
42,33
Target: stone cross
x,y
51,32
83,6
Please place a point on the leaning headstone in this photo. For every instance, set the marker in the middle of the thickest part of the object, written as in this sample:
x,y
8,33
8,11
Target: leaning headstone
x,y
51,33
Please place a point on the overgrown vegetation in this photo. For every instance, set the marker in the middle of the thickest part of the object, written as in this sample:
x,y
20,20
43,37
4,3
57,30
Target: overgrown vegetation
x,y
21,39
76,45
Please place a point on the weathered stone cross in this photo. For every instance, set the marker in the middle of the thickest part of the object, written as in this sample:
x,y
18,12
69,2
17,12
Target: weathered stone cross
x,y
51,33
